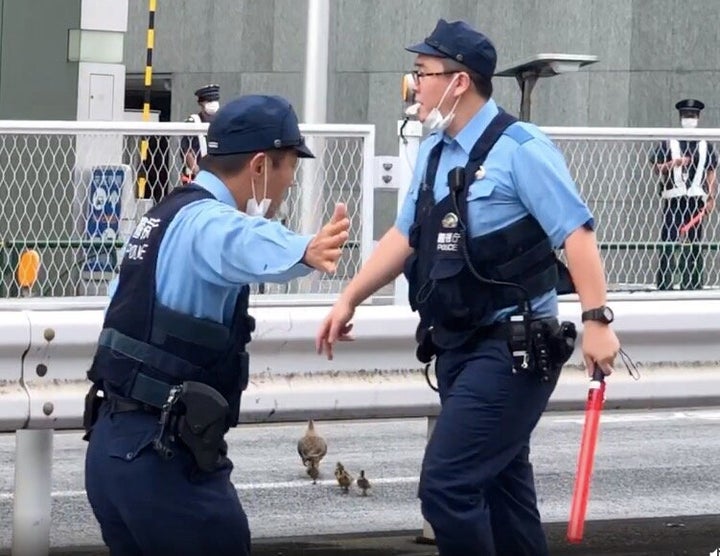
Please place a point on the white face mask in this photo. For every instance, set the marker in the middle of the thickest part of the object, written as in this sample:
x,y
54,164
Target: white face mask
x,y
212,106
435,121
254,208
688,122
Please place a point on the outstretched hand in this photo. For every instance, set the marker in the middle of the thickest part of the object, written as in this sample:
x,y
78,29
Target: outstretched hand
x,y
325,249
335,327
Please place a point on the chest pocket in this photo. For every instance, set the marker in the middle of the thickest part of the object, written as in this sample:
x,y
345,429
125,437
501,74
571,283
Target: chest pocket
x,y
482,200
481,189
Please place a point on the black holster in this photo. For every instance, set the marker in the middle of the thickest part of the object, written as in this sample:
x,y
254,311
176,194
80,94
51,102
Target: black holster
x,y
550,345
92,409
426,349
202,423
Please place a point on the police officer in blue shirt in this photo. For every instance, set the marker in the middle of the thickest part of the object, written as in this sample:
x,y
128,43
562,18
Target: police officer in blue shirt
x,y
490,199
171,361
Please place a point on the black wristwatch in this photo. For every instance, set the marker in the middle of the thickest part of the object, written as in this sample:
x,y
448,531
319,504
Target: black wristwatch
x,y
602,314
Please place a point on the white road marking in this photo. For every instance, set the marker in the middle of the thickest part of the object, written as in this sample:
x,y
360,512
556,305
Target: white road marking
x,y
608,417
300,483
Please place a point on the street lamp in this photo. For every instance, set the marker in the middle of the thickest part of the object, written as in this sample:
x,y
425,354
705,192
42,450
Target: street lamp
x,y
542,65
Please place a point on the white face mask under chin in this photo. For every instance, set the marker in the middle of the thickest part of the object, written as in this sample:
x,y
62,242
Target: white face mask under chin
x,y
254,208
688,122
435,121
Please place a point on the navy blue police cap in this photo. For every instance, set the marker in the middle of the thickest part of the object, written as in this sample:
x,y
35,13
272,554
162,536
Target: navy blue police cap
x,y
255,123
690,105
460,42
208,93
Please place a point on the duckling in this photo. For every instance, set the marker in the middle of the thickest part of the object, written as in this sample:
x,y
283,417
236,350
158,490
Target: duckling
x,y
344,478
363,483
314,473
311,448
339,468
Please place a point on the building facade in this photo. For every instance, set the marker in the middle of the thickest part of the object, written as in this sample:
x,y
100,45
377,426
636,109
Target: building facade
x,y
651,54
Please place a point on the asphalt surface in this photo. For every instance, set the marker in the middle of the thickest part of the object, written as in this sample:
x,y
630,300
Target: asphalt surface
x,y
678,536
649,465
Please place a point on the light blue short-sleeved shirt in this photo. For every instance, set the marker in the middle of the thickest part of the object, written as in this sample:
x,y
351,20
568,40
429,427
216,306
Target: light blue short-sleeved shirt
x,y
211,249
524,174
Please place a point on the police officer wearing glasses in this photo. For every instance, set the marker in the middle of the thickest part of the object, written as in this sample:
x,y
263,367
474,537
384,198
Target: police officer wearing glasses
x,y
490,199
171,362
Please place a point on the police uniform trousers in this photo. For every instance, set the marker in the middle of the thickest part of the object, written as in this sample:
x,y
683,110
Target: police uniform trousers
x,y
154,507
676,212
476,486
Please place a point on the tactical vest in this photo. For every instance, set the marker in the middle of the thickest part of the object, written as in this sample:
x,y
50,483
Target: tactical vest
x,y
686,180
456,299
146,346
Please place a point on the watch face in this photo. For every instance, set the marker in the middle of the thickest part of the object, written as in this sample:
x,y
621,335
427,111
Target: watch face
x,y
607,313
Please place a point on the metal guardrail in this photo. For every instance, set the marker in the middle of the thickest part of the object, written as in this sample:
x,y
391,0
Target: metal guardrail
x,y
47,346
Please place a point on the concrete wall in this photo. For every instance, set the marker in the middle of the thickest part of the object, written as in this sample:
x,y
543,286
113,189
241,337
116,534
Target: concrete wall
x,y
36,80
651,54
648,56
674,55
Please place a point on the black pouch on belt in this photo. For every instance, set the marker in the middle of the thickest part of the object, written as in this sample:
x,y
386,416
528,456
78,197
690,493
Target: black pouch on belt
x,y
203,424
92,409
426,350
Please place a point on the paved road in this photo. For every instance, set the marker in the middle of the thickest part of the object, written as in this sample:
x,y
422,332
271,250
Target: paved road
x,y
649,464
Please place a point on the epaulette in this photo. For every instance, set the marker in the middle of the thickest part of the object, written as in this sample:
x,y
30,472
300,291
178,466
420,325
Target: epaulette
x,y
519,134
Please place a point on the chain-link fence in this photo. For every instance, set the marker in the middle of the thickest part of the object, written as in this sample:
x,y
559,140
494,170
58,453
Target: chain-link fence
x,y
616,172
71,192
75,191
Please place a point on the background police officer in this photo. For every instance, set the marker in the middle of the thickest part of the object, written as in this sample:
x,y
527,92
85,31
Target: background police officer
x,y
476,485
157,475
687,187
194,148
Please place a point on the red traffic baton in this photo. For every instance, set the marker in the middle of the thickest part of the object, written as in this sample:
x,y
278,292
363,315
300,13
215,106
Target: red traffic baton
x,y
685,228
586,458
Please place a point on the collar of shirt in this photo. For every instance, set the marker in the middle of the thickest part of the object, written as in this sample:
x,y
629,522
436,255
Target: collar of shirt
x,y
214,185
468,135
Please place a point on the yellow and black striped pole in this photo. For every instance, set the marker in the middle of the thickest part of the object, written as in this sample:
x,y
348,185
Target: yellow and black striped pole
x,y
142,177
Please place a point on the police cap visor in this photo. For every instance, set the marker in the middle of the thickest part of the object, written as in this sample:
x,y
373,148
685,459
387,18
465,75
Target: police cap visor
x,y
461,43
255,123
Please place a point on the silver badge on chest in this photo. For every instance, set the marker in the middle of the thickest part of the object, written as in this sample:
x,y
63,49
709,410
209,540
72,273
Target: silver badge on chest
x,y
450,220
447,240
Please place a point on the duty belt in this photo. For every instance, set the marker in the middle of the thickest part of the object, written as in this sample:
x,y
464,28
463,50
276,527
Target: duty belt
x,y
147,394
192,412
539,345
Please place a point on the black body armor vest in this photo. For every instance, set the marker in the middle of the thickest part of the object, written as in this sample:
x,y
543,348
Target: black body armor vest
x,y
141,337
456,282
